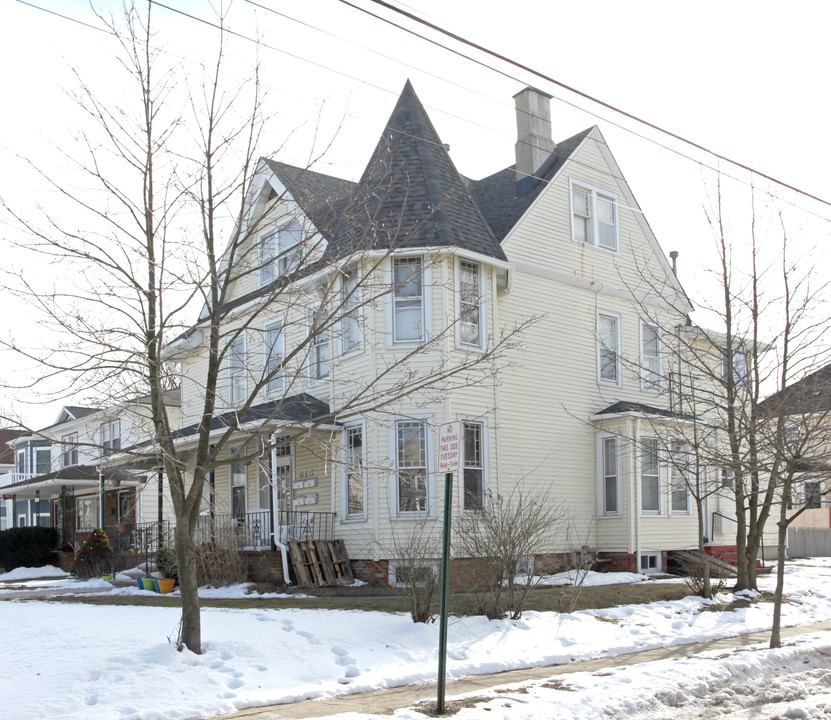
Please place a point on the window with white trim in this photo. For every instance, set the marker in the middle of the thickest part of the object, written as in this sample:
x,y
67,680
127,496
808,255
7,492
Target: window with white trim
x,y
319,346
236,370
610,476
69,450
354,482
679,469
280,251
739,364
650,357
470,303
351,338
111,437
239,482
473,497
43,460
125,507
411,466
274,349
264,475
594,217
650,476
407,300
608,348
86,513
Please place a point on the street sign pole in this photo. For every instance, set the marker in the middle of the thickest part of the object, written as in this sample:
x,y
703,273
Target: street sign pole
x,y
450,448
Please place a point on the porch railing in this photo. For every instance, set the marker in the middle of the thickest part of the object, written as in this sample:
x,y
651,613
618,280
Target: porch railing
x,y
146,537
254,530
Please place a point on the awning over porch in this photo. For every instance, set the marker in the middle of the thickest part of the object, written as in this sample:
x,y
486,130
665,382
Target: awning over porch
x,y
79,476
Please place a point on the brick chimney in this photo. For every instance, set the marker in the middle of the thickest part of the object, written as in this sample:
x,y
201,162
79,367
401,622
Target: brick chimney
x,y
533,124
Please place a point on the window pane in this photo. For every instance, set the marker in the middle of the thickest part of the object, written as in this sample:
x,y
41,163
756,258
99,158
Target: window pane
x,y
290,249
606,223
412,467
412,491
268,251
350,301
650,357
650,476
679,464
469,303
608,330
236,370
354,471
411,450
273,342
610,499
408,317
473,495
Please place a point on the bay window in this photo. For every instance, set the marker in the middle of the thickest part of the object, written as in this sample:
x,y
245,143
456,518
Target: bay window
x,y
650,476
407,300
610,478
473,497
411,466
470,311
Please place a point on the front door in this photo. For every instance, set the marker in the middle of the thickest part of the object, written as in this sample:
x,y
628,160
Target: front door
x,y
282,484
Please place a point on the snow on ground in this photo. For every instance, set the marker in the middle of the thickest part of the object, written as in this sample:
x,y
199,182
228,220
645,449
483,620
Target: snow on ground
x,y
83,661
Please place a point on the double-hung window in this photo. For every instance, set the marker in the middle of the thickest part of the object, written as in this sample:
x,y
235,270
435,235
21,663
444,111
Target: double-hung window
x,y
594,217
280,252
351,339
239,481
650,476
236,370
679,468
610,476
608,348
650,357
274,348
111,437
318,345
470,310
43,460
407,300
69,450
355,486
473,497
411,454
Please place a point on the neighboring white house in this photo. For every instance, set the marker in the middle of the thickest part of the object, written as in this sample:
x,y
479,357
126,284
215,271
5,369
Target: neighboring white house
x,y
61,476
346,292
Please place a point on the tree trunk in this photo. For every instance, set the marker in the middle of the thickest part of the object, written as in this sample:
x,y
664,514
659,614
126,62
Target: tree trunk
x,y
781,543
191,633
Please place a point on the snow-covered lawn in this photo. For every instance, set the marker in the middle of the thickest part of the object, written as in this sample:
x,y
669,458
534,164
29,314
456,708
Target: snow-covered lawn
x,y
83,661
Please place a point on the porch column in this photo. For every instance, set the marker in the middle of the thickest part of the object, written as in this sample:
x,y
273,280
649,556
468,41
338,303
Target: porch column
x,y
36,517
161,503
101,497
14,510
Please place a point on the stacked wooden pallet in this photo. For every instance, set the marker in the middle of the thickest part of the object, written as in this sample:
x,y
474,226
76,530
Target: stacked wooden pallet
x,y
320,563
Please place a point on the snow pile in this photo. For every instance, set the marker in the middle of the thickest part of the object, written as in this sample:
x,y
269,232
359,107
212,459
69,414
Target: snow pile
x,y
121,662
24,573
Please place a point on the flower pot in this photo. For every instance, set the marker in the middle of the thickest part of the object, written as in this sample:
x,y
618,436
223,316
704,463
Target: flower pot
x,y
156,584
139,583
149,583
107,578
166,585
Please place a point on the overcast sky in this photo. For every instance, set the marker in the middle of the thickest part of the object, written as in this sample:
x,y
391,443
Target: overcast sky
x,y
746,79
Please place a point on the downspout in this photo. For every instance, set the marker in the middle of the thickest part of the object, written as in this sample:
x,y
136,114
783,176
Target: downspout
x,y
637,495
160,512
275,498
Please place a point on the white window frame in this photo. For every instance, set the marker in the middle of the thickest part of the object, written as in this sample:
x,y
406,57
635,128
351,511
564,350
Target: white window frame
x,y
320,349
89,501
110,437
275,256
429,493
234,450
651,512
235,362
394,303
274,386
676,476
477,308
351,315
651,364
601,348
69,450
482,467
604,512
652,565
354,464
595,196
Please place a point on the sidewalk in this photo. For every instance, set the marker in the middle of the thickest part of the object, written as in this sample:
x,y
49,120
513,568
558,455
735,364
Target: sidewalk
x,y
385,702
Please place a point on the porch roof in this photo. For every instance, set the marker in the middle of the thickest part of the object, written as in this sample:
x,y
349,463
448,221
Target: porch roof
x,y
625,407
84,476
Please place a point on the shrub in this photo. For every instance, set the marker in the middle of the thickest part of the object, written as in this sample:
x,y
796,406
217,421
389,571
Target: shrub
x,y
166,563
95,556
27,547
219,565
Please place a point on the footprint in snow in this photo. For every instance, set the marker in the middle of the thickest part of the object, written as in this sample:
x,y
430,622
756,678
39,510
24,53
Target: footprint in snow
x,y
235,683
288,625
309,636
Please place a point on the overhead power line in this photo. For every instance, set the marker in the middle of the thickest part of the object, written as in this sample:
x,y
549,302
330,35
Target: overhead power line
x,y
415,18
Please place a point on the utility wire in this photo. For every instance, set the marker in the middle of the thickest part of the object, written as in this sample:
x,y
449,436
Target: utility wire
x,y
65,17
613,108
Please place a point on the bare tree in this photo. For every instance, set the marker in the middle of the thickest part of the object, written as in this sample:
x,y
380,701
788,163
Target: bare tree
x,y
165,177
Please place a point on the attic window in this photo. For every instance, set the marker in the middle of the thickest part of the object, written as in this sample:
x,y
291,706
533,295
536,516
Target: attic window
x,y
280,252
594,217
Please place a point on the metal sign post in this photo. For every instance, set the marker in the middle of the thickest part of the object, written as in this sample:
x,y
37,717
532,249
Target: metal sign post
x,y
450,448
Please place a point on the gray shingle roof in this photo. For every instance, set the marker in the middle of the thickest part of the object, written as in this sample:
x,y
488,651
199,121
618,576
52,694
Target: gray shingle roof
x,y
497,194
811,394
411,195
625,406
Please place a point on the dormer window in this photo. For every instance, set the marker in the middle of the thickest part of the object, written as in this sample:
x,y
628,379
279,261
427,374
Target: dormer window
x,y
594,217
280,251
69,450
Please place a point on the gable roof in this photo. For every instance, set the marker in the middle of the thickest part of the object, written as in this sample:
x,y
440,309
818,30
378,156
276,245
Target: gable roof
x,y
411,194
811,394
6,436
503,201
